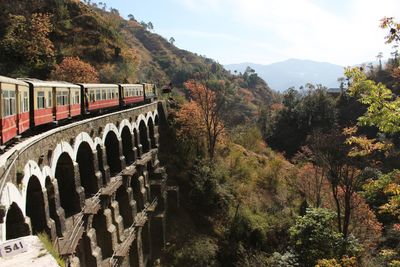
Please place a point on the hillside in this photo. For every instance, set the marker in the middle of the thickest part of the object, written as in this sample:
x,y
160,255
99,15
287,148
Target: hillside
x,y
294,72
120,50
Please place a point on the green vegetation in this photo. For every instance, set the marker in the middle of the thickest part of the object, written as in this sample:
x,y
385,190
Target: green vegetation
x,y
44,238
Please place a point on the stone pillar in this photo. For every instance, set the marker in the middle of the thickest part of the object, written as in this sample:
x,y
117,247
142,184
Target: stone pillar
x,y
59,210
97,172
117,219
106,168
95,249
51,225
79,189
121,154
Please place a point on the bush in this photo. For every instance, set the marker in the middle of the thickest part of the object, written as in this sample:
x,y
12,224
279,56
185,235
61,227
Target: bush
x,y
198,251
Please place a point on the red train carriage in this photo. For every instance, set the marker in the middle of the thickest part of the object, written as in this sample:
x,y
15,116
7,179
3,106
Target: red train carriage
x,y
52,101
150,91
98,97
131,94
14,108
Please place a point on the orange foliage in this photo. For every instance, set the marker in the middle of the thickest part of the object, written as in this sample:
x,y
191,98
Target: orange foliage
x,y
72,69
40,44
190,121
210,110
311,181
364,224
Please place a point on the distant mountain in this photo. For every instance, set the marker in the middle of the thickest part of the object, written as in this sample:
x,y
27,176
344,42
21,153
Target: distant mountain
x,y
294,72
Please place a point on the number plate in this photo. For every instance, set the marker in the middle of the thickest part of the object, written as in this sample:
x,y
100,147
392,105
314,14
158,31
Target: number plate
x,y
13,247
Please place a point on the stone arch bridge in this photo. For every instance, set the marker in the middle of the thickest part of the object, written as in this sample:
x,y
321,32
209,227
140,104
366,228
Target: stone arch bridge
x,y
95,187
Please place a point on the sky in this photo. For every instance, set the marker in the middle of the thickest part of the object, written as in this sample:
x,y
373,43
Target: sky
x,y
343,32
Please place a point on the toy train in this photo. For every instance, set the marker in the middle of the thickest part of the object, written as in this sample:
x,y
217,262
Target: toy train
x,y
29,103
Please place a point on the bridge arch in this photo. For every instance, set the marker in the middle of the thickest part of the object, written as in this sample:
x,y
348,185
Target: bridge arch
x,y
127,144
61,148
79,139
111,140
140,118
150,126
85,156
143,135
15,222
64,172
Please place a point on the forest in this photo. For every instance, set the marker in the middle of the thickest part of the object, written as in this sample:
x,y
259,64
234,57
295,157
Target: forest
x,y
300,178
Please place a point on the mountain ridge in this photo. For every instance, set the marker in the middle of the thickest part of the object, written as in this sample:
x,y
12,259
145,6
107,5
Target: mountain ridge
x,y
293,72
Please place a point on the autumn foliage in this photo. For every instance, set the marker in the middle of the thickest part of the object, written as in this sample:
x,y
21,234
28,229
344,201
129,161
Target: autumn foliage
x,y
206,111
74,70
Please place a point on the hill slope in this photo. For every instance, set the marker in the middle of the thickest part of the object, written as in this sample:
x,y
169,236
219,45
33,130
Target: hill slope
x,y
294,72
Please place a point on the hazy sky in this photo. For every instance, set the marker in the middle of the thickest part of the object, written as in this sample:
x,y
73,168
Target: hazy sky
x,y
345,32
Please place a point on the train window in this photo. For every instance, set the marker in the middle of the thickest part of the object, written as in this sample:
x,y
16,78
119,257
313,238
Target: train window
x,y
40,100
92,96
98,94
9,103
24,102
49,102
104,94
116,94
62,98
75,98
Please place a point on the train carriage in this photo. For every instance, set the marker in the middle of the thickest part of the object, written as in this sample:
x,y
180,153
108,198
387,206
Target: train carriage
x,y
131,94
98,97
150,91
53,101
14,108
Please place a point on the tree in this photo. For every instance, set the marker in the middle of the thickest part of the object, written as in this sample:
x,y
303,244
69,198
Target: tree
x,y
210,108
131,17
383,109
172,40
344,176
73,70
150,26
190,127
314,237
26,42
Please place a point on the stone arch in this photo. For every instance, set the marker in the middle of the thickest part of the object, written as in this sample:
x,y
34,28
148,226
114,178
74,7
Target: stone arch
x,y
31,169
156,119
15,222
85,157
110,127
64,172
111,143
127,145
35,206
83,137
150,126
60,149
148,116
143,135
140,118
125,123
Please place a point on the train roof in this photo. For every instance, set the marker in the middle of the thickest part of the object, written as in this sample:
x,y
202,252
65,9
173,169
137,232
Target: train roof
x,y
4,79
130,84
40,83
98,85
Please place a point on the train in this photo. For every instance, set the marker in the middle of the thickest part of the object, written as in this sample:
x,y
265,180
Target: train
x,y
28,103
